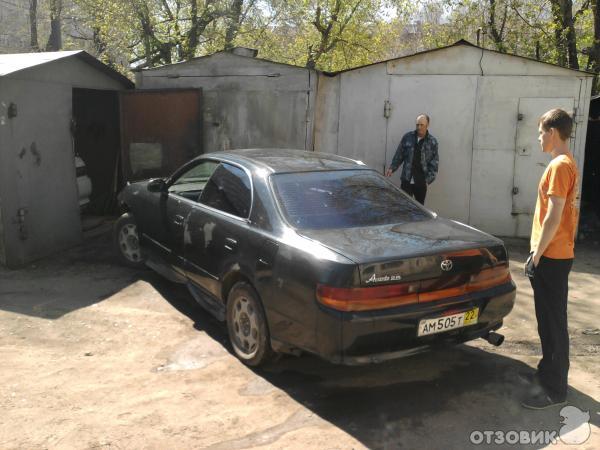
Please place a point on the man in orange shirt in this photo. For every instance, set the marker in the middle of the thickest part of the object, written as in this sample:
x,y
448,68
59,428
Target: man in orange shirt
x,y
551,258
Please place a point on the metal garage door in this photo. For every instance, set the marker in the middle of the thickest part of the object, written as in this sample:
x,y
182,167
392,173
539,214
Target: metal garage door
x,y
530,161
160,130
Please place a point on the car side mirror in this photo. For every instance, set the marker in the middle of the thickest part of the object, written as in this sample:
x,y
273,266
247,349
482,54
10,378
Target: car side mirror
x,y
157,185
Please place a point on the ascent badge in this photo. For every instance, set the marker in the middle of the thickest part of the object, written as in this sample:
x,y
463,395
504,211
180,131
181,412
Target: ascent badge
x,y
375,279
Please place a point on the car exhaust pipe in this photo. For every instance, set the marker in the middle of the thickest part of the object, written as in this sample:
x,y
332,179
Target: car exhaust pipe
x,y
496,339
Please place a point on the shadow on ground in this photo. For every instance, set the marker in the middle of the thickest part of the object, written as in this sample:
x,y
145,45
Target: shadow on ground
x,y
58,285
439,397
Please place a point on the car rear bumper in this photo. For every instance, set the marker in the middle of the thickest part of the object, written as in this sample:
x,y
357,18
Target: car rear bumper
x,y
376,336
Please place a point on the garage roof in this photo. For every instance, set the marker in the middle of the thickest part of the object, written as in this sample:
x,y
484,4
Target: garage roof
x,y
17,62
461,42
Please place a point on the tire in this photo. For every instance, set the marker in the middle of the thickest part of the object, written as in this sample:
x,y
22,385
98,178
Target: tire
x,y
247,326
127,242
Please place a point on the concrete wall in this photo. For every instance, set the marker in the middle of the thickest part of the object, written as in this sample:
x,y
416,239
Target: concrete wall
x,y
37,170
247,102
473,98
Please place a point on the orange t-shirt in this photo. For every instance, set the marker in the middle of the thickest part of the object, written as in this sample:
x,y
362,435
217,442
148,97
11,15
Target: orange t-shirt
x,y
560,180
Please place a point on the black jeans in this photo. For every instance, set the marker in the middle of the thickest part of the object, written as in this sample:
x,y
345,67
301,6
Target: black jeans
x,y
550,290
417,190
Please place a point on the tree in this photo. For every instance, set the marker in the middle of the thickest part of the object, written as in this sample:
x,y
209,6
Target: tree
x,y
33,25
331,35
55,38
234,20
564,33
497,32
593,49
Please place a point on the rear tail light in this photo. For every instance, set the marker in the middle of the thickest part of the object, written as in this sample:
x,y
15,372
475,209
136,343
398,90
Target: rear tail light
x,y
489,278
381,297
362,299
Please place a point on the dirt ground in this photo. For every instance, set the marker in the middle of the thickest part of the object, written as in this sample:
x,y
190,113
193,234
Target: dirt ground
x,y
95,355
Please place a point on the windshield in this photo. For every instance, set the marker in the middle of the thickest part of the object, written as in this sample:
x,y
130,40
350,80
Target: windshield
x,y
343,199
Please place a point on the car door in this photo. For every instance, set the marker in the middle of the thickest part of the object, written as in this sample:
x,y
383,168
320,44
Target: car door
x,y
217,232
167,232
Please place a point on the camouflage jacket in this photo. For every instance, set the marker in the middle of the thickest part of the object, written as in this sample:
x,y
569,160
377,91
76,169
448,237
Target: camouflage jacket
x,y
429,156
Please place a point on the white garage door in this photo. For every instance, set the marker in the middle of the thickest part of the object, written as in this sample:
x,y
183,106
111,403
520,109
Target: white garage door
x,y
530,161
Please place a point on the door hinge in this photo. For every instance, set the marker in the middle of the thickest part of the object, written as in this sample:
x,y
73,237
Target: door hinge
x,y
21,223
387,109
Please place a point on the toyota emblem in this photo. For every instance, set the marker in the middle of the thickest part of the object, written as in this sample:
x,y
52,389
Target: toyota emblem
x,y
446,265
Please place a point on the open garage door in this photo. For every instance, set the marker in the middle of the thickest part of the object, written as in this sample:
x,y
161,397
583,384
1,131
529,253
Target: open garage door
x,y
160,130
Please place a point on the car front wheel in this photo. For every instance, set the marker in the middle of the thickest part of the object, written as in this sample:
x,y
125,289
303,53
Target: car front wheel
x,y
127,241
247,326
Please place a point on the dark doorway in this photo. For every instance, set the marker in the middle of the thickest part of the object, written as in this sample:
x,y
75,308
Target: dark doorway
x,y
589,225
96,136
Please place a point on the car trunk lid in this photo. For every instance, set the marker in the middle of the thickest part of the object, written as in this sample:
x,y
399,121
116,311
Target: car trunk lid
x,y
417,262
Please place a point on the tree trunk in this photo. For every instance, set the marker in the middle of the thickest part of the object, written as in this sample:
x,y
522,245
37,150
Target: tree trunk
x,y
233,25
497,33
571,36
594,52
564,33
35,46
55,39
324,27
199,22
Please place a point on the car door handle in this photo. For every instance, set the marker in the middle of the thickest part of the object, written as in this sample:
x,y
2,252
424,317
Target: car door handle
x,y
178,220
230,244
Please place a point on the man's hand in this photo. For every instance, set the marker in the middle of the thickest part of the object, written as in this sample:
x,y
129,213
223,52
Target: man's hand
x,y
388,173
536,258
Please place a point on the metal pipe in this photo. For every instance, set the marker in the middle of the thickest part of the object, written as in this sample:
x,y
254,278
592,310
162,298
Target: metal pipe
x,y
496,339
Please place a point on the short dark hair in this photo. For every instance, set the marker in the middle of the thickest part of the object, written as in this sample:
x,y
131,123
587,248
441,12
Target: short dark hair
x,y
558,119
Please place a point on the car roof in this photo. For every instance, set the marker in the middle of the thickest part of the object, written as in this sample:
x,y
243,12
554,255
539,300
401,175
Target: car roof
x,y
282,160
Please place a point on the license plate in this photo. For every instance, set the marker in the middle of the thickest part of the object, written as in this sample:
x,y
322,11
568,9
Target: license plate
x,y
440,324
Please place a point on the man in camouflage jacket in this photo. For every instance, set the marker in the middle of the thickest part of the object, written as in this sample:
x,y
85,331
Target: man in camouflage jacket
x,y
418,152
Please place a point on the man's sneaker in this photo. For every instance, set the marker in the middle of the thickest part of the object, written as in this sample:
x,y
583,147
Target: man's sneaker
x,y
541,401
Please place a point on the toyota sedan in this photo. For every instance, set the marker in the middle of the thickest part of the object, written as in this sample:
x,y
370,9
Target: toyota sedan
x,y
309,252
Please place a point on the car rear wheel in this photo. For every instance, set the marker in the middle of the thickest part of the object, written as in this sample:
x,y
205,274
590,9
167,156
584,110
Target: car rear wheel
x,y
127,241
247,326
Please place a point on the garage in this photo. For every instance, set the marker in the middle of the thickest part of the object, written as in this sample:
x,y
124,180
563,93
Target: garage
x,y
484,107
59,122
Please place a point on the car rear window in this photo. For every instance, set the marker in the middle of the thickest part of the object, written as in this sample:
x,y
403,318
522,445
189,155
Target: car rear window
x,y
343,199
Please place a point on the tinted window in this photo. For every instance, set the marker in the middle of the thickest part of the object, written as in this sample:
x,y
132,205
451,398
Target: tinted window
x,y
343,199
228,190
192,182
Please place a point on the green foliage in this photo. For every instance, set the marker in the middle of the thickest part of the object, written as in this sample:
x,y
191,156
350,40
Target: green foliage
x,y
327,34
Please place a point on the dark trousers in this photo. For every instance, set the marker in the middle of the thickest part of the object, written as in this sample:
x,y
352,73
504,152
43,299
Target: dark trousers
x,y
417,190
550,289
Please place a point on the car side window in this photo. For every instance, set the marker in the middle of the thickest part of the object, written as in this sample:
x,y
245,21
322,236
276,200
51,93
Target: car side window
x,y
191,183
228,190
